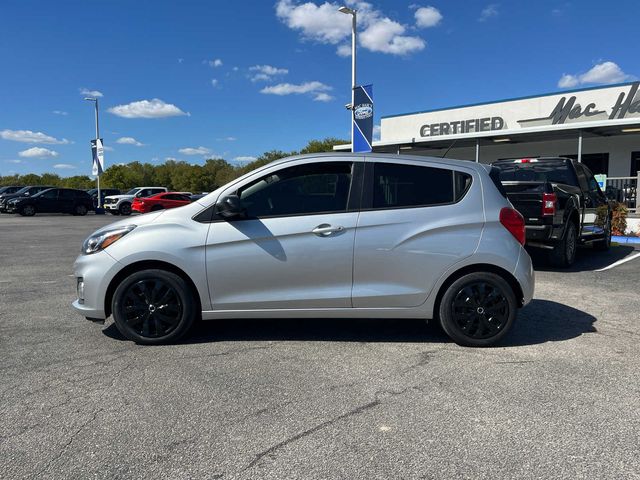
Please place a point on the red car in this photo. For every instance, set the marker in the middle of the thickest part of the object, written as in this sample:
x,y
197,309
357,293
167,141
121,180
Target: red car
x,y
160,202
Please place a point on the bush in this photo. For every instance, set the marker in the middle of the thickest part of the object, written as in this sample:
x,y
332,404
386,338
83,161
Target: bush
x,y
618,218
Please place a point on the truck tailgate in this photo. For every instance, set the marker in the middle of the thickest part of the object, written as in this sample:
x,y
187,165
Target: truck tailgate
x,y
526,197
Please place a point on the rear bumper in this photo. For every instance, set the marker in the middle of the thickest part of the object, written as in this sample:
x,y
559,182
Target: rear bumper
x,y
525,275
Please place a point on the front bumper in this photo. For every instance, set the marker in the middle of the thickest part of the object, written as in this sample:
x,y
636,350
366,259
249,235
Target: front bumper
x,y
97,271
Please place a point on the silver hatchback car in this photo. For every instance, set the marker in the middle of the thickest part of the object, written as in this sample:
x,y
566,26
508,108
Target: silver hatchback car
x,y
326,235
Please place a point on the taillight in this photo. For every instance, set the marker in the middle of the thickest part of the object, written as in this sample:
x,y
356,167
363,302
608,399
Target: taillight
x,y
549,203
514,222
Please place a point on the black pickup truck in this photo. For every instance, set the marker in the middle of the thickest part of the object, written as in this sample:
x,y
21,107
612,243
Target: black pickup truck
x,y
561,203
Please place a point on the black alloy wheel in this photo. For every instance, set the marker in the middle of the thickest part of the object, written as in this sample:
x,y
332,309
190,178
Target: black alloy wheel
x,y
80,210
478,309
125,208
28,211
153,307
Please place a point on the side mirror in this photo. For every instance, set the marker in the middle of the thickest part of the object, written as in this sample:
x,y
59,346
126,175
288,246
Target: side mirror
x,y
27,194
229,207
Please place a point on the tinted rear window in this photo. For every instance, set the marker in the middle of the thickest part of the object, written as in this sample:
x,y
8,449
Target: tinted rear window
x,y
555,172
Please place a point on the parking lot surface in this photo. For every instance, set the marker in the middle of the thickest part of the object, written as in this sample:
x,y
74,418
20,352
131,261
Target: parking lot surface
x,y
560,398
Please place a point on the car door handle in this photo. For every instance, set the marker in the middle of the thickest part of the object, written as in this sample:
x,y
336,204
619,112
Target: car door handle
x,y
324,230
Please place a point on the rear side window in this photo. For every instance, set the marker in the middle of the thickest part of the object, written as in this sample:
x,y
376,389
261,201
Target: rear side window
x,y
403,186
67,194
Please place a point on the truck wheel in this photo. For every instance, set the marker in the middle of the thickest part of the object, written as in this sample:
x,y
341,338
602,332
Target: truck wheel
x,y
564,253
125,208
478,309
604,244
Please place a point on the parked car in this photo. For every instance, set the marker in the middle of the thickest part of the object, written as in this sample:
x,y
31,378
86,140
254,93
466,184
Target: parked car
x,y
160,202
319,236
121,204
53,200
198,196
561,202
9,189
104,192
23,192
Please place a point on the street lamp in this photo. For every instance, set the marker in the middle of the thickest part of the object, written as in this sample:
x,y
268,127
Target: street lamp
x,y
352,12
95,101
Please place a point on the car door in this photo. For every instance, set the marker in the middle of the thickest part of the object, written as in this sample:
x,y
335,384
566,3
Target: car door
x,y
66,200
417,220
47,201
294,247
597,203
587,203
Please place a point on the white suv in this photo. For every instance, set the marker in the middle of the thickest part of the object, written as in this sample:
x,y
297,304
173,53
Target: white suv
x,y
121,204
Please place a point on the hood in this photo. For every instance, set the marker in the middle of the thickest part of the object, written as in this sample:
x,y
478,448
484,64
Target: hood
x,y
120,197
138,221
9,196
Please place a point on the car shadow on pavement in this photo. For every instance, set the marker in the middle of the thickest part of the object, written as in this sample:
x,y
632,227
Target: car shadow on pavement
x,y
539,322
587,259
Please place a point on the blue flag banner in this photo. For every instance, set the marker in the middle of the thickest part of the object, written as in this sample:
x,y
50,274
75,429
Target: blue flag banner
x,y
97,156
362,118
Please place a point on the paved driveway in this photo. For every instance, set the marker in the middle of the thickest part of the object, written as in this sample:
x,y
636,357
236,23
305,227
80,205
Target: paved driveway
x,y
315,398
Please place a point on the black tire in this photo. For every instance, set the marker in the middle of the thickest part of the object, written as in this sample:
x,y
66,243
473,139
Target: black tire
x,y
27,211
604,244
156,208
563,254
124,208
478,309
80,210
139,292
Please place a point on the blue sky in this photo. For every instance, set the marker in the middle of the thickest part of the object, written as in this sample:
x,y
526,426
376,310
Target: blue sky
x,y
195,79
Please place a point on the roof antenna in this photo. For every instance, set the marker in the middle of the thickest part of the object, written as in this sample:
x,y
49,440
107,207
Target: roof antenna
x,y
450,147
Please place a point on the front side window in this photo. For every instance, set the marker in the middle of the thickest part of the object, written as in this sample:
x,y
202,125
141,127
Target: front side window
x,y
301,190
401,186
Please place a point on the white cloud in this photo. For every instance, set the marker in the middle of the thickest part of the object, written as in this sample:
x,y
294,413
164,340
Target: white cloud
x,y
154,108
27,136
325,24
214,63
195,151
107,148
488,12
344,50
266,72
13,161
172,159
227,139
129,141
64,166
38,152
315,88
246,158
322,97
427,17
602,73
60,112
91,93
214,82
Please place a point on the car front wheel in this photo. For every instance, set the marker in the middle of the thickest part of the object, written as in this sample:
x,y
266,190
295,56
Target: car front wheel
x,y
154,307
27,211
125,209
478,309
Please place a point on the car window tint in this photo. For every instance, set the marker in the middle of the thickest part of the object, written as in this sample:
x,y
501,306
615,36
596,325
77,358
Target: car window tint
x,y
591,181
300,190
582,178
50,194
396,185
66,194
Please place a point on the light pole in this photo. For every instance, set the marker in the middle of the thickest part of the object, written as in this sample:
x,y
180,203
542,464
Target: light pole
x,y
353,13
95,101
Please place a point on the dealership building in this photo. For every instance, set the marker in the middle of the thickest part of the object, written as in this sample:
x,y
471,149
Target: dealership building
x,y
599,126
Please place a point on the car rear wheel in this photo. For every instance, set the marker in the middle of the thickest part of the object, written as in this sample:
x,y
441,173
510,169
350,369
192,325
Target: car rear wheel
x,y
478,309
125,209
604,244
154,307
27,211
80,210
564,252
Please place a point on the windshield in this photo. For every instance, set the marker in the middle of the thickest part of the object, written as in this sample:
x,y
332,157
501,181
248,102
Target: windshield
x,y
133,191
554,172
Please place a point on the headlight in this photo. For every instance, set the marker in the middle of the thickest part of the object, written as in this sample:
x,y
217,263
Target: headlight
x,y
102,240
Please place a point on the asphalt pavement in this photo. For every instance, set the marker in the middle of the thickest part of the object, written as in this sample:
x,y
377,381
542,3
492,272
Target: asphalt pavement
x,y
315,399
